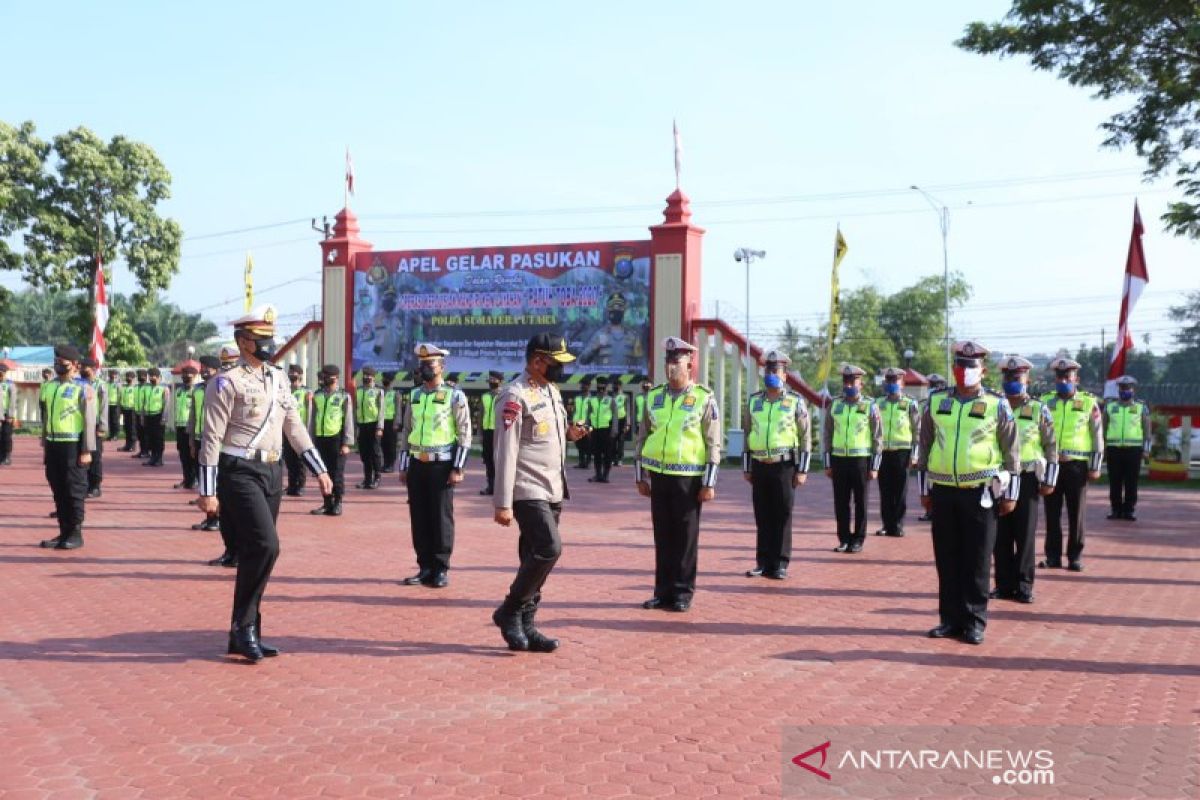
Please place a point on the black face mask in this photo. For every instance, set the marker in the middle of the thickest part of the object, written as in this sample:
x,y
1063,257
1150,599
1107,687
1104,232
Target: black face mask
x,y
615,317
264,349
327,382
493,384
389,304
554,372
61,369
427,372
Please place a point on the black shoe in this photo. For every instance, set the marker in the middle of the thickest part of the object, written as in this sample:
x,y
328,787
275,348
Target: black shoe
x,y
754,573
973,635
388,470
1048,564
374,484
485,491
882,532
926,517
1115,515
363,485
511,628
267,650
593,480
183,485
996,594
1130,516
653,603
421,577
93,493
209,524
538,642
226,560
243,641
777,574
53,515
1024,597
680,606
841,548
898,533
72,542
944,631
292,492
324,508
1075,566
51,544
855,548
336,509
439,581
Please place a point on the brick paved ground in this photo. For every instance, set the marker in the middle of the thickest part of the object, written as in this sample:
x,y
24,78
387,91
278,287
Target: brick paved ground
x,y
114,683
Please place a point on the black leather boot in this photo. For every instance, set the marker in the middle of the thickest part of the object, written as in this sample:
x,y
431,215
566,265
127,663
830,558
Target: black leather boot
x,y
243,641
538,642
335,506
325,507
268,650
511,628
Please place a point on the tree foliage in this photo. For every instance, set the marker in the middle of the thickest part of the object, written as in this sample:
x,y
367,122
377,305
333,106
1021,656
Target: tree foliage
x,y
1183,366
1148,50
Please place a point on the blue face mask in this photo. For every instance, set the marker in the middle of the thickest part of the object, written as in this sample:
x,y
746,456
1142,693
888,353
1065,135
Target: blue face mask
x,y
850,392
1014,388
772,381
891,388
1064,387
1125,394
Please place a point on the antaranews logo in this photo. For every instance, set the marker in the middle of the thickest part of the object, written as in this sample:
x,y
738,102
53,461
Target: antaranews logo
x,y
823,749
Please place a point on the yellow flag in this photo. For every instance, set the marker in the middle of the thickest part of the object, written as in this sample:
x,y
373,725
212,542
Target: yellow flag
x,y
249,282
835,310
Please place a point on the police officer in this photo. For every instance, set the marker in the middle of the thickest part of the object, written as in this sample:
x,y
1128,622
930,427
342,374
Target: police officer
x,y
185,402
68,439
128,411
581,413
901,417
209,367
936,384
8,410
156,399
852,441
114,404
332,429
368,419
1079,434
1016,533
247,411
88,376
531,483
968,459
639,405
44,391
602,423
390,405
679,456
487,428
621,404
296,477
435,440
1126,445
139,412
775,461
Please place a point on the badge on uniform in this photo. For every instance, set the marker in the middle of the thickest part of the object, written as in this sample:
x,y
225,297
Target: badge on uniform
x,y
440,397
543,428
1077,405
946,406
68,392
512,410
1027,411
689,402
978,409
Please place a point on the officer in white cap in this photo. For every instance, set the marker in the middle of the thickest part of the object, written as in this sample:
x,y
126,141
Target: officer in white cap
x,y
248,409
435,440
774,462
1126,445
1016,533
679,456
1079,433
852,441
968,452
901,417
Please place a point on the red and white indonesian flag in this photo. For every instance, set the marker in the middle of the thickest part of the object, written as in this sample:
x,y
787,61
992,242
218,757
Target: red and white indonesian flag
x,y
349,173
1136,278
678,152
101,320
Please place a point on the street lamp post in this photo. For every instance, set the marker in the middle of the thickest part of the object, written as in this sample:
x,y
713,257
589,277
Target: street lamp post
x,y
748,255
944,223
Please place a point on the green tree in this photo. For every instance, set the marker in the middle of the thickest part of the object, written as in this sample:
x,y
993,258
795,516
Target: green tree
x,y
1148,50
22,159
914,318
862,339
165,331
1183,366
124,348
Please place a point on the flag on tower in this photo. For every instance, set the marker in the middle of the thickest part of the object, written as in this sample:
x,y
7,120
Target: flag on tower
x,y
349,173
835,306
678,151
96,351
249,277
1136,278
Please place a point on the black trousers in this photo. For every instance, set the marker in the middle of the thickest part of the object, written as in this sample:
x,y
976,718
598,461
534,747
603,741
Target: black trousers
x,y
773,495
1124,469
249,493
964,536
369,452
489,458
154,436
187,463
68,484
1016,541
675,514
601,448
1071,489
388,445
140,423
538,548
330,448
618,444
130,425
850,482
431,513
95,470
296,475
114,421
584,448
893,489
6,429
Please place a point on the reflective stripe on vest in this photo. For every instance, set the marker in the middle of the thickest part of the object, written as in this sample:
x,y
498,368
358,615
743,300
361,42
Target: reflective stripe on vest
x,y
897,425
773,429
675,445
488,420
851,429
329,413
433,425
965,451
64,412
1124,425
1071,429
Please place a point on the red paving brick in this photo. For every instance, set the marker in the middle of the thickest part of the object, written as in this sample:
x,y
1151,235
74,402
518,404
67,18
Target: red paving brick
x,y
114,682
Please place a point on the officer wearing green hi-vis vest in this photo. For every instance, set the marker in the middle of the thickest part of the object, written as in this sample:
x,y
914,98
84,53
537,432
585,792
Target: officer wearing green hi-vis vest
x,y
296,476
368,419
68,439
1080,437
678,458
969,459
852,440
1126,445
901,418
128,401
184,403
8,410
332,428
581,413
156,400
602,421
487,427
391,421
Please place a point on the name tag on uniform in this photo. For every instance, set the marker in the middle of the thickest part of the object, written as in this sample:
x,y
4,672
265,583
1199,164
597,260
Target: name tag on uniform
x,y
978,409
689,402
946,406
787,404
758,404
659,399
440,397
1077,405
1027,412
68,392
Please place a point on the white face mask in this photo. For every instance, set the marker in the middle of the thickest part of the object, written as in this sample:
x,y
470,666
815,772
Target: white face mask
x,y
972,376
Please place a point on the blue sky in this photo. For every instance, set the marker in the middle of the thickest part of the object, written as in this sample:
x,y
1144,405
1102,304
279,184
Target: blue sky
x,y
828,111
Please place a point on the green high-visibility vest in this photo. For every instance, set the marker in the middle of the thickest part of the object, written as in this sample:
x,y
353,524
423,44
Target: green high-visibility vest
x,y
129,396
583,409
675,444
1029,434
4,389
851,429
1124,425
639,406
773,430
620,401
367,409
64,411
965,451
155,398
301,396
198,409
897,425
45,390
329,412
602,412
488,421
389,405
433,424
1071,429
183,406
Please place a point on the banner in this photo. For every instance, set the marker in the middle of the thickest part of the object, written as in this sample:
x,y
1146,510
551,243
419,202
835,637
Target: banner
x,y
482,304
